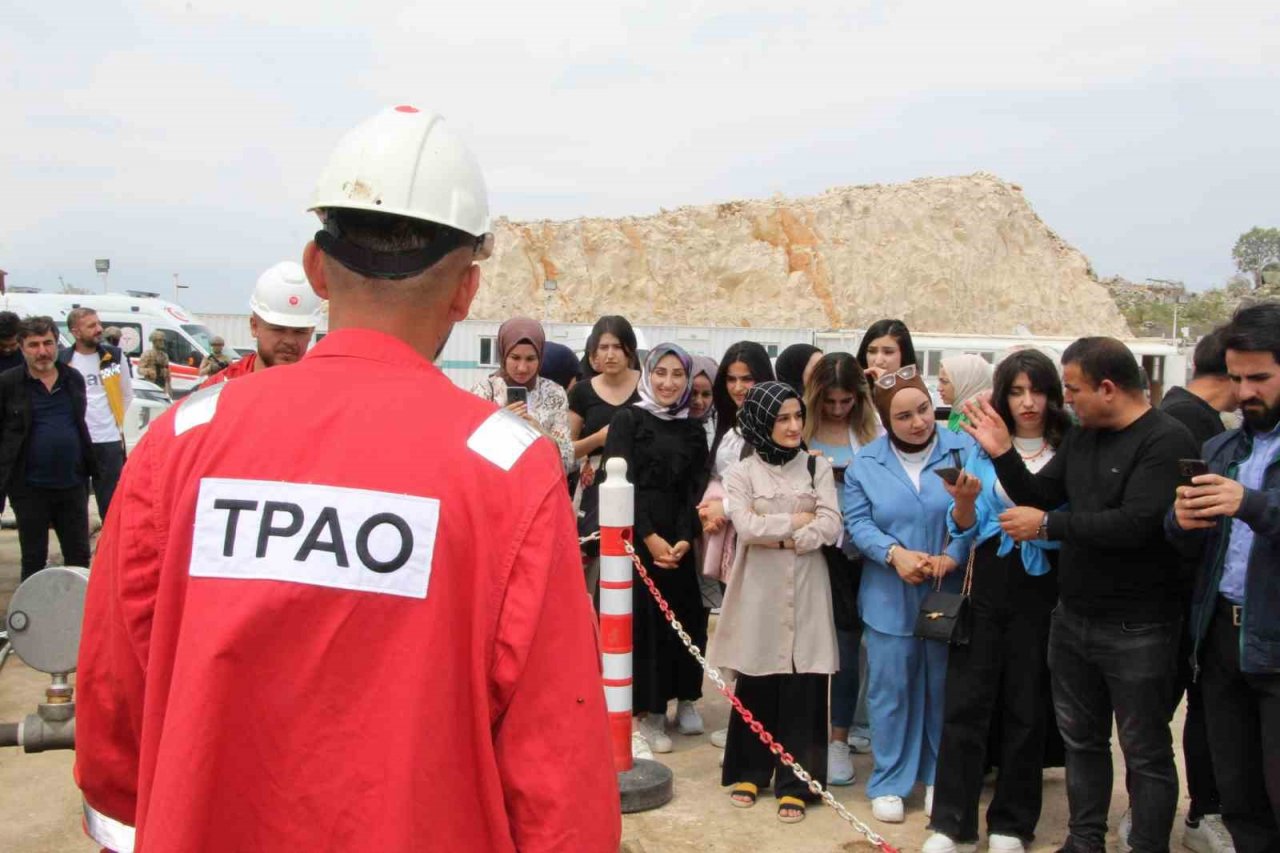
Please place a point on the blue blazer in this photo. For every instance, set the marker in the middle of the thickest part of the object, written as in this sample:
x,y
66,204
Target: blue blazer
x,y
882,508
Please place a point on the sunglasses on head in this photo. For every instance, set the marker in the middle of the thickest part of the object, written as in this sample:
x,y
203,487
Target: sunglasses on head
x,y
903,374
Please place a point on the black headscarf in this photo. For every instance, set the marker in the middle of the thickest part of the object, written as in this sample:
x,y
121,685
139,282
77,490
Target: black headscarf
x,y
759,413
559,364
791,364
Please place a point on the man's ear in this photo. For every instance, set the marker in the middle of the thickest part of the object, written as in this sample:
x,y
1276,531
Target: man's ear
x,y
1107,389
464,294
313,265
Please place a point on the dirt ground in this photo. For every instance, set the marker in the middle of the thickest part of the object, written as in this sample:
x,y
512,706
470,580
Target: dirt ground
x,y
40,806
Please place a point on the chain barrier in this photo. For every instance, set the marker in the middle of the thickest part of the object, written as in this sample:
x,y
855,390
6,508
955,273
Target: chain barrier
x,y
756,726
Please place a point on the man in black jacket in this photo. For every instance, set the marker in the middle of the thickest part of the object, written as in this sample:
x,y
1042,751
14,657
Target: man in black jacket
x,y
1114,636
46,456
1230,519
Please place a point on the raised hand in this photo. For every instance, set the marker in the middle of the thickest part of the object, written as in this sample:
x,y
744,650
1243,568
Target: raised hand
x,y
986,427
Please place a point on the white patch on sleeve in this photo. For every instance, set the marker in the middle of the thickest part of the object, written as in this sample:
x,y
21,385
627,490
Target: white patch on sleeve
x,y
502,439
197,409
330,536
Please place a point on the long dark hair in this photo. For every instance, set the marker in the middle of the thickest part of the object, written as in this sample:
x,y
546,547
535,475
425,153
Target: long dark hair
x,y
620,328
895,329
1044,380
754,356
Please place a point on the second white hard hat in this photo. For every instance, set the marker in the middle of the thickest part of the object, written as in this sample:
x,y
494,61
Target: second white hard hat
x,y
283,297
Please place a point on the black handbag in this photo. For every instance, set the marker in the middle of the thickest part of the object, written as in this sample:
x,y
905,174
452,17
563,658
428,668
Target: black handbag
x,y
944,616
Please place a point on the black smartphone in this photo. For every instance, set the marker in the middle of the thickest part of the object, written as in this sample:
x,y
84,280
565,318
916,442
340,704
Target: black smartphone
x,y
838,472
1188,468
950,475
517,394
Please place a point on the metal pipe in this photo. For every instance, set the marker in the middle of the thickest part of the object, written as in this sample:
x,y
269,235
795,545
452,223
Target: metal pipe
x,y
9,734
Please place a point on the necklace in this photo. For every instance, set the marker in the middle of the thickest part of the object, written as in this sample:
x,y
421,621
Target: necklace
x,y
1044,445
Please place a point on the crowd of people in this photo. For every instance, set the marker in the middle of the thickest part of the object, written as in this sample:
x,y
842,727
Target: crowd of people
x,y
826,499
989,591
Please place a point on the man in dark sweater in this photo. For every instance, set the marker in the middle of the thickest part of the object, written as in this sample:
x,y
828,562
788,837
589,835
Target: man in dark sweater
x,y
1200,405
1115,633
1199,408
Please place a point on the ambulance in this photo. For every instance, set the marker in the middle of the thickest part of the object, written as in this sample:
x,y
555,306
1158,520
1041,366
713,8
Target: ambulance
x,y
137,314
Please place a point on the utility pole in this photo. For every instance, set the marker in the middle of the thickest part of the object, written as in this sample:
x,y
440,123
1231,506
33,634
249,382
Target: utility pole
x,y
177,287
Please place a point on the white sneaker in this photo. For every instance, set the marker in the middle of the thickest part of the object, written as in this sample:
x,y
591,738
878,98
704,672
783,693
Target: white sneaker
x,y
640,747
653,728
928,801
688,720
1122,832
839,764
997,843
888,809
859,744
939,843
719,738
1210,836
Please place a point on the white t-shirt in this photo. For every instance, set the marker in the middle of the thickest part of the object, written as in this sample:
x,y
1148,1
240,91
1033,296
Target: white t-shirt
x,y
913,463
1035,453
98,417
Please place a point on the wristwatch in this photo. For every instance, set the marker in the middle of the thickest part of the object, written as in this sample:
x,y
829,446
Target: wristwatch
x,y
1043,532
888,555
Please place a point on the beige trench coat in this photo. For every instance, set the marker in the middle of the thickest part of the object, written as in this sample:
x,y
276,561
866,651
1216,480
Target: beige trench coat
x,y
776,617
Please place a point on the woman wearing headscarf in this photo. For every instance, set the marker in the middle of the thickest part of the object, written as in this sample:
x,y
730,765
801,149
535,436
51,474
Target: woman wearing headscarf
x,y
963,377
701,407
666,454
545,405
796,364
776,629
895,508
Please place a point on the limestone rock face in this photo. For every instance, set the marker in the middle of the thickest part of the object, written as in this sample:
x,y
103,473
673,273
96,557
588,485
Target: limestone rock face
x,y
961,254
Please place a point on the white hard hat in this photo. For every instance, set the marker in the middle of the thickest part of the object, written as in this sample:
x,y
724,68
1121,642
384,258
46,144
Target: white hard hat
x,y
405,162
283,297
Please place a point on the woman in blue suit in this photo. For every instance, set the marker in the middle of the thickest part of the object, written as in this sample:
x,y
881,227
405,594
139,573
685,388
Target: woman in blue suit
x,y
895,510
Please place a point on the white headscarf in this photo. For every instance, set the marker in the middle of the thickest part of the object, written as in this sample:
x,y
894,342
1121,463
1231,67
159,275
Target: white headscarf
x,y
969,374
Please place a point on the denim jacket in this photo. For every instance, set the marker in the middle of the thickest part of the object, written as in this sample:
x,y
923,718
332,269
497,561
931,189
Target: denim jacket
x,y
989,506
881,508
1260,509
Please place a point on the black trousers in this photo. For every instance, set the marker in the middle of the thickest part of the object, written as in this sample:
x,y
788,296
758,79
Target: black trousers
x,y
67,510
1004,668
1243,713
793,708
1105,666
1197,762
109,456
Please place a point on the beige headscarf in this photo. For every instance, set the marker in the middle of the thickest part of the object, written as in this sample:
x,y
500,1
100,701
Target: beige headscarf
x,y
970,375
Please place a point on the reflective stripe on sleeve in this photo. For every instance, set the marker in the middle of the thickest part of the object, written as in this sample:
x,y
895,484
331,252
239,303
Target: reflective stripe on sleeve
x,y
107,831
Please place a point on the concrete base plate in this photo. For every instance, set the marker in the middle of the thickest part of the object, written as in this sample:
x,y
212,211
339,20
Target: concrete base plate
x,y
646,786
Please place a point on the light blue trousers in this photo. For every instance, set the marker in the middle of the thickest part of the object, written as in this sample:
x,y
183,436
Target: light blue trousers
x,y
905,692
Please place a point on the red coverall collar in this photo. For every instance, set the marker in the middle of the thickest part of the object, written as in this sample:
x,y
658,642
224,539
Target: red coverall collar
x,y
371,345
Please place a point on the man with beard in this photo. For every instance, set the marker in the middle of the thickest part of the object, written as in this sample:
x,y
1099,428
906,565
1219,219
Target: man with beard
x,y
110,391
46,455
1231,518
285,312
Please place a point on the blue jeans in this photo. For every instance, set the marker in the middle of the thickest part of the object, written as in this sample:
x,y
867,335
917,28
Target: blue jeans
x,y
1106,666
845,683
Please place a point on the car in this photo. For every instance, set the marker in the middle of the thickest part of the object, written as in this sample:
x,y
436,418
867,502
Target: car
x,y
149,402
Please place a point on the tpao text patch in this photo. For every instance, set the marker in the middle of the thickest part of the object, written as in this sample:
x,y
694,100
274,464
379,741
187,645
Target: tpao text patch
x,y
320,535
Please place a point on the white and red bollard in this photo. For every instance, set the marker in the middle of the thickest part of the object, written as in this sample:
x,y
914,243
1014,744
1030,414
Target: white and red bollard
x,y
643,784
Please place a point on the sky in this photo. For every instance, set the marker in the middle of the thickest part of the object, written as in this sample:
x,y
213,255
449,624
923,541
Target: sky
x,y
186,137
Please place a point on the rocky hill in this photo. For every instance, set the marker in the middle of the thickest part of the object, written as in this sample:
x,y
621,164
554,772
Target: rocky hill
x,y
964,254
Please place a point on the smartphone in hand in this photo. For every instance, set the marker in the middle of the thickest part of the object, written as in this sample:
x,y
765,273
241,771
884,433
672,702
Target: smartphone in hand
x,y
950,475
1188,468
517,394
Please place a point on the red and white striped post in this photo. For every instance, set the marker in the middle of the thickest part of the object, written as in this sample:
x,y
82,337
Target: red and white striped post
x,y
642,783
617,513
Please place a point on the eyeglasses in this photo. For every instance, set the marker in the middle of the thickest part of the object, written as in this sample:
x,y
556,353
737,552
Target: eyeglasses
x,y
904,374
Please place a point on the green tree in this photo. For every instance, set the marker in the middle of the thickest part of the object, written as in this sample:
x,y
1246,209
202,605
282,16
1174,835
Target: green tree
x,y
1255,250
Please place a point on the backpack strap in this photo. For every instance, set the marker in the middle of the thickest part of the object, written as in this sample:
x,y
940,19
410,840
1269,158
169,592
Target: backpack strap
x,y
813,467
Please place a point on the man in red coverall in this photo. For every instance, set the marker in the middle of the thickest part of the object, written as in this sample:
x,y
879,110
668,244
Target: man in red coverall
x,y
350,627
284,312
